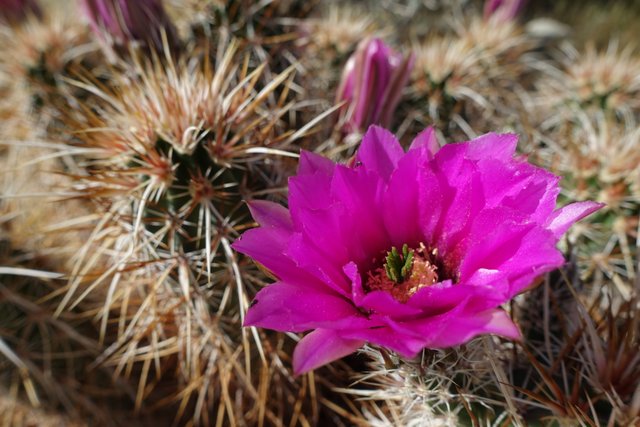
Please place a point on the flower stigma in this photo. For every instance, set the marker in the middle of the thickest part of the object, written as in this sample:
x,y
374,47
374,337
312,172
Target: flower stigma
x,y
404,272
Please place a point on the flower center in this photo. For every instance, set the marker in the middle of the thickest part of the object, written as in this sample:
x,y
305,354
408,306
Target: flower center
x,y
404,272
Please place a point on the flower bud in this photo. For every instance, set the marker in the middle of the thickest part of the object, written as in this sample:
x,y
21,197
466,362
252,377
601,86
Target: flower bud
x,y
505,10
121,23
372,84
17,10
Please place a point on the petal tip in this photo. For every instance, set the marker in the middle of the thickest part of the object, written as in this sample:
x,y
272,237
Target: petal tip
x,y
320,347
563,218
427,139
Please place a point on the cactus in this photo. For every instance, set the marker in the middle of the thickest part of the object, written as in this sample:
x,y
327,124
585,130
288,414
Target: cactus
x,y
589,113
38,55
440,387
466,79
571,365
171,157
126,180
594,80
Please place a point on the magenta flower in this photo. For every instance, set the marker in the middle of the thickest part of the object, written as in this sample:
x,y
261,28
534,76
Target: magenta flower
x,y
372,84
121,22
405,250
17,10
506,10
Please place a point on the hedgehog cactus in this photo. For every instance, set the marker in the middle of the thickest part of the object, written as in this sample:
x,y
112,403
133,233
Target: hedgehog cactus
x,y
335,32
170,159
39,54
590,112
470,76
128,180
186,150
594,80
263,26
441,388
599,159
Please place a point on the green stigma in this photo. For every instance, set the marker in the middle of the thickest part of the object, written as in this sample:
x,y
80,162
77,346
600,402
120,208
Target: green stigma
x,y
398,266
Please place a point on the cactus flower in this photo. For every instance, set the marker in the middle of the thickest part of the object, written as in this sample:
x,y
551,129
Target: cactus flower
x,y
121,22
504,9
17,10
372,84
405,250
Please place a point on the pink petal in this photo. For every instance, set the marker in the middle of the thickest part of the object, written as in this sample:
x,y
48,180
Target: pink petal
x,y
311,163
521,186
330,213
524,251
347,82
322,229
277,229
314,177
408,345
565,217
493,145
538,196
357,292
487,146
464,199
401,212
461,329
363,233
375,79
501,179
427,139
269,214
379,151
430,203
442,297
313,260
303,193
320,347
504,10
428,326
407,337
401,72
284,307
384,304
272,256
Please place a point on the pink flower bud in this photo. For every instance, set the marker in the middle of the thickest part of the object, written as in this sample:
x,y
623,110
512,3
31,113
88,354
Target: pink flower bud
x,y
372,84
506,10
121,22
17,10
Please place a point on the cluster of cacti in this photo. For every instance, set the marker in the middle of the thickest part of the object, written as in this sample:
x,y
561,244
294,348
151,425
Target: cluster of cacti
x,y
140,141
587,112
